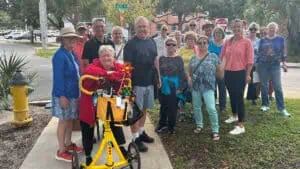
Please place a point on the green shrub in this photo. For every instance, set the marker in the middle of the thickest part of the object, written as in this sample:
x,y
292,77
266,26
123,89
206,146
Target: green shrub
x,y
46,53
9,64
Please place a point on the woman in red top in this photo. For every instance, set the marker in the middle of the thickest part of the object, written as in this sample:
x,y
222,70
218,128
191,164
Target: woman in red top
x,y
105,66
238,55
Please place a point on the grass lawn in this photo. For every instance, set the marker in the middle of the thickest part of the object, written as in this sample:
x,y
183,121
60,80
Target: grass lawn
x,y
293,59
270,141
48,53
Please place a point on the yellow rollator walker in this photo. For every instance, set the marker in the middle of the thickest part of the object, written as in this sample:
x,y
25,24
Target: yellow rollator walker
x,y
116,108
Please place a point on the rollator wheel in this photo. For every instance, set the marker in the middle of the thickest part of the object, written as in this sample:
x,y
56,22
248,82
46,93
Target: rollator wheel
x,y
75,161
133,156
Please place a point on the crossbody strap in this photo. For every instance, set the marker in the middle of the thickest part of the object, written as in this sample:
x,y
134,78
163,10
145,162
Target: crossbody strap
x,y
200,63
120,51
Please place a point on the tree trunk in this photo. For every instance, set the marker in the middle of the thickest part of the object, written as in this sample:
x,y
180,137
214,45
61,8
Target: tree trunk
x,y
180,22
32,36
294,30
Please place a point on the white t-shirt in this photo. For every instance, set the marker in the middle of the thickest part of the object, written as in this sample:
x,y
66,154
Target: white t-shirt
x,y
160,44
120,58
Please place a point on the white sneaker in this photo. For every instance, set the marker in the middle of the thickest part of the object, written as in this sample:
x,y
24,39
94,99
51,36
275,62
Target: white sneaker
x,y
264,108
237,130
285,113
232,119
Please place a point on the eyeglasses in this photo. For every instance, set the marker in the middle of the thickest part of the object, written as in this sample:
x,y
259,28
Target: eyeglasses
x,y
253,30
164,29
201,43
192,25
170,44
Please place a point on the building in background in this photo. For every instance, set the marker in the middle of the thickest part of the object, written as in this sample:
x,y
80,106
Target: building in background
x,y
172,22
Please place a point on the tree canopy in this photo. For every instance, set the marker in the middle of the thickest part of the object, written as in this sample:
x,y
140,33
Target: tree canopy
x,y
135,8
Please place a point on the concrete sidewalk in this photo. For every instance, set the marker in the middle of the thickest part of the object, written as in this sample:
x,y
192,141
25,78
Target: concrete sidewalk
x,y
42,156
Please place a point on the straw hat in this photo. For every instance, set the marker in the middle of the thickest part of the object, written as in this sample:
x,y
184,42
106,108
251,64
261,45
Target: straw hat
x,y
208,23
68,32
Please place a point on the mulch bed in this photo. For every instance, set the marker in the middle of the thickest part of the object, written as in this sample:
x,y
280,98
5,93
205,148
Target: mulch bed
x,y
16,143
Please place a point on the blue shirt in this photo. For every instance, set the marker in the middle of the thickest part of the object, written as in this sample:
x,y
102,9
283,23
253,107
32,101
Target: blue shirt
x,y
271,50
204,78
65,74
214,48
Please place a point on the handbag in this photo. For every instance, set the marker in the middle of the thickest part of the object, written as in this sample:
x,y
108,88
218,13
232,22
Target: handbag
x,y
187,92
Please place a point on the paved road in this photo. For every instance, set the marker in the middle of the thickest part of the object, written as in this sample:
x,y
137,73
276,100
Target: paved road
x,y
43,66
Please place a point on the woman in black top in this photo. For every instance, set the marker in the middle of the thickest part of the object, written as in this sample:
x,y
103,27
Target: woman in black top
x,y
173,81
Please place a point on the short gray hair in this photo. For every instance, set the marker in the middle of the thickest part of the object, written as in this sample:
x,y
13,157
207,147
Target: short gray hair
x,y
105,48
141,18
95,20
115,28
253,25
273,24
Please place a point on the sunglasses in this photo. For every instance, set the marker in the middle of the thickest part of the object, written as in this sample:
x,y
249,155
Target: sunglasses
x,y
164,29
201,43
192,25
253,30
170,44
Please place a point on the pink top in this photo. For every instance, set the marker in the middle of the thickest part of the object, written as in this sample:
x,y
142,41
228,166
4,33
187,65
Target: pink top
x,y
238,54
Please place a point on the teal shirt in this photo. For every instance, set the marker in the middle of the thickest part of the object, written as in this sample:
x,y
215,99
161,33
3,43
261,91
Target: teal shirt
x,y
204,78
214,48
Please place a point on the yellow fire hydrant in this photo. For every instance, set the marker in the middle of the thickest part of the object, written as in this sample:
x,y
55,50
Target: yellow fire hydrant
x,y
19,90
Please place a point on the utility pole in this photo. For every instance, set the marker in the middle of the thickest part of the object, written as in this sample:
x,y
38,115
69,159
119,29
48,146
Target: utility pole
x,y
43,23
76,17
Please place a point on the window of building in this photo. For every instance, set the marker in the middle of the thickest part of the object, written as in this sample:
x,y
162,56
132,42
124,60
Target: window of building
x,y
174,27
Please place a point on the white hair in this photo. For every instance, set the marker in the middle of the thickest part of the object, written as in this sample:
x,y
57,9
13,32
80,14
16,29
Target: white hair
x,y
273,24
105,48
141,18
116,28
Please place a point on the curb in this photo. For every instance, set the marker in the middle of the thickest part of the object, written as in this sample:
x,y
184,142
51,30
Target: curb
x,y
294,67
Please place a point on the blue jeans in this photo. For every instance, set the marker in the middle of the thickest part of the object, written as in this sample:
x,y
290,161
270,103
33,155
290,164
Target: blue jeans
x,y
271,71
209,99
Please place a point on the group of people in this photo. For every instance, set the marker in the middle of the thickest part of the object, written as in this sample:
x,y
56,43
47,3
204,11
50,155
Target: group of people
x,y
100,56
167,67
245,58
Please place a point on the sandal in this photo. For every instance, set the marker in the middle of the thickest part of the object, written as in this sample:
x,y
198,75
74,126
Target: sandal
x,y
198,130
215,137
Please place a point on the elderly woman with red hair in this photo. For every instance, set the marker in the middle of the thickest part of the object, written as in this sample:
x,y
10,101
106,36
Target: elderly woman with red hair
x,y
105,66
